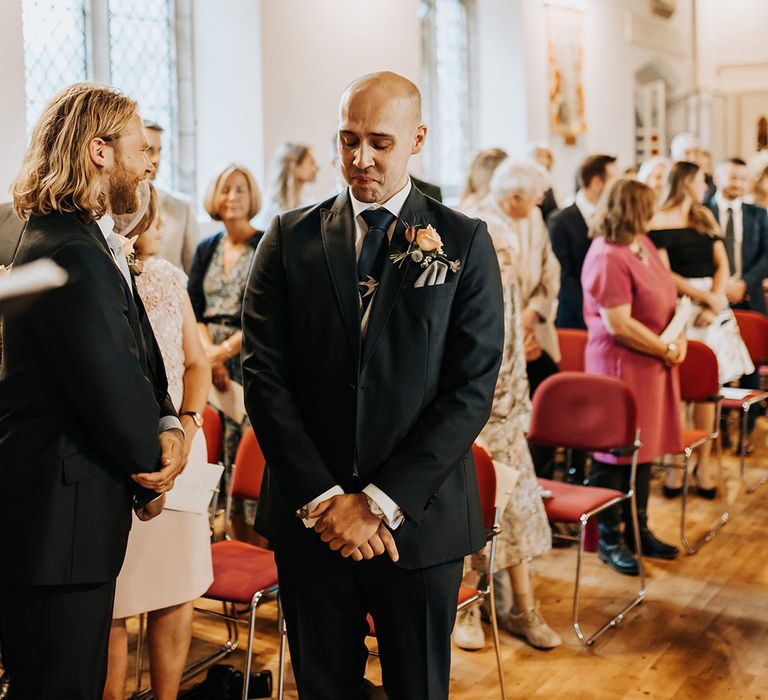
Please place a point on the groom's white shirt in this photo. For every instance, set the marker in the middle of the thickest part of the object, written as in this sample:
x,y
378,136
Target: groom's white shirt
x,y
393,515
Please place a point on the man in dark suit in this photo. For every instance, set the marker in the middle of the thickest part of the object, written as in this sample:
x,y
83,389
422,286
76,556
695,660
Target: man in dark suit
x,y
367,380
85,417
569,231
745,230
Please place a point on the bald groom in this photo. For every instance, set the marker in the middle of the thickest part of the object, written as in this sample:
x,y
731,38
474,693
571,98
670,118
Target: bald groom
x,y
373,331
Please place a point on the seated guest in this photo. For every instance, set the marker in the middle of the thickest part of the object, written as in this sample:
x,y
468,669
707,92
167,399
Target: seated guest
x,y
745,232
168,561
216,287
525,531
687,236
293,167
479,176
568,230
181,234
629,299
653,172
510,210
541,153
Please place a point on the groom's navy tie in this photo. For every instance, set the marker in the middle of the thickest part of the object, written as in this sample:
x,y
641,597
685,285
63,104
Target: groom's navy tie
x,y
374,252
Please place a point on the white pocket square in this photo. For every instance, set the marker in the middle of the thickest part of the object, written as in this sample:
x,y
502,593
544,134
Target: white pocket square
x,y
435,274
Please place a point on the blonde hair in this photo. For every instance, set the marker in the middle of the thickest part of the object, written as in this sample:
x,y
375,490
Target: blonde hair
x,y
210,201
627,211
480,171
286,156
58,174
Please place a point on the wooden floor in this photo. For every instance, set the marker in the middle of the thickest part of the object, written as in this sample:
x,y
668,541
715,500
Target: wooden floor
x,y
701,633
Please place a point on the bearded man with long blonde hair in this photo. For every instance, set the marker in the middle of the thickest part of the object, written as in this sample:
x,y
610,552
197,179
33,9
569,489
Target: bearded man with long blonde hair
x,y
87,429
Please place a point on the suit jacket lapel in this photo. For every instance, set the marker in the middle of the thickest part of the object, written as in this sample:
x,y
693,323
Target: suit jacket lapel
x,y
338,232
414,213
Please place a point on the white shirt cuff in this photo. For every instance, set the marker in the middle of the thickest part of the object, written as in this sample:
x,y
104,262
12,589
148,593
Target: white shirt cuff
x,y
302,512
393,516
170,423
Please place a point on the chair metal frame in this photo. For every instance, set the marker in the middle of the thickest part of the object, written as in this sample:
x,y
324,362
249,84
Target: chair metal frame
x,y
582,525
232,619
488,593
750,398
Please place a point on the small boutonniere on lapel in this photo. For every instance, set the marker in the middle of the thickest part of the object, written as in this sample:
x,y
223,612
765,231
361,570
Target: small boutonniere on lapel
x,y
424,247
135,265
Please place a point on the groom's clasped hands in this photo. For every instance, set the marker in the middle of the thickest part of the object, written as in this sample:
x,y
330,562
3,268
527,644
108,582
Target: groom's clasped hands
x,y
347,525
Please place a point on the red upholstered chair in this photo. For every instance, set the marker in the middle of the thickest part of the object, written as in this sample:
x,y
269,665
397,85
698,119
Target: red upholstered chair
x,y
573,343
753,327
213,428
595,414
699,383
242,573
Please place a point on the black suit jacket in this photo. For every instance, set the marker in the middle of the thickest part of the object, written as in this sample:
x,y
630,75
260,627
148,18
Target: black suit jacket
x,y
404,406
570,243
754,252
428,188
82,389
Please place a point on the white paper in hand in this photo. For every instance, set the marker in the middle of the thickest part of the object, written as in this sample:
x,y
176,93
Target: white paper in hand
x,y
194,488
230,402
679,320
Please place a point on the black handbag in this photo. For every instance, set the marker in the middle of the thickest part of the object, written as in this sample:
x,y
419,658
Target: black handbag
x,y
225,682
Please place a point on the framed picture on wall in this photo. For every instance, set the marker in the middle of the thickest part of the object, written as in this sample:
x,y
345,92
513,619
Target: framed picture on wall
x,y
565,31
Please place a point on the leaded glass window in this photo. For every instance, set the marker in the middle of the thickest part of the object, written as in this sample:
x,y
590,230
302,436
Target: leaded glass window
x,y
143,65
55,52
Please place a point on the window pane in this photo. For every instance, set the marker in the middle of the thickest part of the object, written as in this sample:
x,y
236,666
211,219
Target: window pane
x,y
54,50
452,82
143,65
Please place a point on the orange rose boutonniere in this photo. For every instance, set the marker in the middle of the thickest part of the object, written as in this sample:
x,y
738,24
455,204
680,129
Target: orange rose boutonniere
x,y
424,247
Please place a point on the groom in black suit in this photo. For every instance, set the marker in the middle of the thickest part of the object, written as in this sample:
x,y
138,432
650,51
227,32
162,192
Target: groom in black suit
x,y
367,380
85,417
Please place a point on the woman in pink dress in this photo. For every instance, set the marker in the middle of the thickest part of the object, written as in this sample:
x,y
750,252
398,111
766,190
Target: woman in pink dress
x,y
629,299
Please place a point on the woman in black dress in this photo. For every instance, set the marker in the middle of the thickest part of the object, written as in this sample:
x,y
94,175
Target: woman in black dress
x,y
688,238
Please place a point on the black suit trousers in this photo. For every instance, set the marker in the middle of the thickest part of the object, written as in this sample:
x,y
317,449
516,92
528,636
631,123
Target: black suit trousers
x,y
326,599
55,640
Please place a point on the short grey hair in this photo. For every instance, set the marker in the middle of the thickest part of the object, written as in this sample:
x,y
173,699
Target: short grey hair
x,y
681,143
519,177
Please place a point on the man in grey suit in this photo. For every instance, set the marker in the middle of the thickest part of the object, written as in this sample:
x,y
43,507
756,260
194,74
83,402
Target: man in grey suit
x,y
181,233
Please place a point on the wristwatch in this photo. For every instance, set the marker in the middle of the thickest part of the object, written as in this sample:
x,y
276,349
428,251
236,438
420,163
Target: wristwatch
x,y
671,348
374,507
197,419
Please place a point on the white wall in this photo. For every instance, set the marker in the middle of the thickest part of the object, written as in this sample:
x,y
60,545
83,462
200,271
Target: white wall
x,y
228,86
311,50
515,101
12,115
